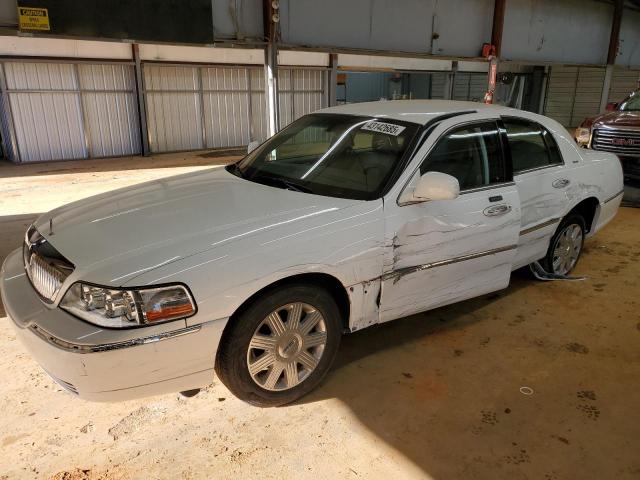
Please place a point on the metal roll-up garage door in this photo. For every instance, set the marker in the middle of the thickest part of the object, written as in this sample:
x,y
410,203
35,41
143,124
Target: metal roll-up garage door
x,y
45,108
438,85
61,111
110,109
573,93
623,82
174,108
588,94
234,106
469,86
300,91
198,107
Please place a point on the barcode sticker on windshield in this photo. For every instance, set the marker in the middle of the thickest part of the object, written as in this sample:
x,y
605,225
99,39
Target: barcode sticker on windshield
x,y
382,127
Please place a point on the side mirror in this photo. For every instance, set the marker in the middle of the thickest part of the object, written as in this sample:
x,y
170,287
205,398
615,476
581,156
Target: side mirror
x,y
252,146
611,107
436,186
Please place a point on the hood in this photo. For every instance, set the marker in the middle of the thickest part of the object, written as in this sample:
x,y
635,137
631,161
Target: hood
x,y
615,119
114,237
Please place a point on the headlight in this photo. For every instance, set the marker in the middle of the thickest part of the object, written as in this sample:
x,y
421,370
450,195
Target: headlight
x,y
122,308
583,135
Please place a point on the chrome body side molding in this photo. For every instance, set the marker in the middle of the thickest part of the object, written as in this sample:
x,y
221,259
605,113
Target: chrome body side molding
x,y
614,196
539,226
397,274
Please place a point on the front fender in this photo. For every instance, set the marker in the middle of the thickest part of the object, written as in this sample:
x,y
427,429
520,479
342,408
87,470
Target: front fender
x,y
349,249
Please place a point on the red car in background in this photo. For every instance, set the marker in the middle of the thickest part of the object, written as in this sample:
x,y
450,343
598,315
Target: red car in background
x,y
616,131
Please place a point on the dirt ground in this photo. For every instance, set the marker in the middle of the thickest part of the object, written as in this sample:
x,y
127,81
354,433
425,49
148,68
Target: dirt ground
x,y
539,381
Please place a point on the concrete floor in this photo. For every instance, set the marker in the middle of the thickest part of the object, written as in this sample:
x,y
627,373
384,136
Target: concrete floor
x,y
436,395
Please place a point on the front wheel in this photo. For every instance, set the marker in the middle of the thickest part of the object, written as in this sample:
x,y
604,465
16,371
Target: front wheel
x,y
281,346
565,246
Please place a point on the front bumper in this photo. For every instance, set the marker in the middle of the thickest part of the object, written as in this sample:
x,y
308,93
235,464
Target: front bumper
x,y
107,364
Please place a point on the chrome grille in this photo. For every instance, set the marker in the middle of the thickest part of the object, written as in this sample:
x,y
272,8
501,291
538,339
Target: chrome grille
x,y
44,277
622,142
45,267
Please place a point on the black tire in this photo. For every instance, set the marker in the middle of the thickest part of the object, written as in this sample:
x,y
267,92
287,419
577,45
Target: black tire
x,y
572,218
231,360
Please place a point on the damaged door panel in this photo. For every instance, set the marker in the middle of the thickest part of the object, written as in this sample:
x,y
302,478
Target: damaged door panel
x,y
443,251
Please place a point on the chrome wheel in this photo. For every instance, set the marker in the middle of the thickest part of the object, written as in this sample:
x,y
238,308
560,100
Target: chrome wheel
x,y
567,249
287,346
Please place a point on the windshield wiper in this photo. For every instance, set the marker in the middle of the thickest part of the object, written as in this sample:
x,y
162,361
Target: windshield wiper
x,y
281,182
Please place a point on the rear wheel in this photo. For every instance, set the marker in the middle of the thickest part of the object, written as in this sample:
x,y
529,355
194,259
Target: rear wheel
x,y
281,346
565,246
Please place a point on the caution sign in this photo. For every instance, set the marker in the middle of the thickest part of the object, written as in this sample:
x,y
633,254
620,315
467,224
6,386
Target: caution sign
x,y
33,18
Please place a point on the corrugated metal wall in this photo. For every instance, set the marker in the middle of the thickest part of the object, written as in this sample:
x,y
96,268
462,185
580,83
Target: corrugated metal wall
x,y
70,111
259,125
623,82
300,91
110,109
573,93
9,143
226,96
469,86
174,108
438,84
47,116
588,94
191,108
561,92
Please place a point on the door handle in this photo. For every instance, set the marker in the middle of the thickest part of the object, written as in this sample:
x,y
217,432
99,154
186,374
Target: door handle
x,y
495,198
496,210
561,183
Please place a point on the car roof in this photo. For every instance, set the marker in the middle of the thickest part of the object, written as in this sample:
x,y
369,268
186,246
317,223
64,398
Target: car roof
x,y
417,111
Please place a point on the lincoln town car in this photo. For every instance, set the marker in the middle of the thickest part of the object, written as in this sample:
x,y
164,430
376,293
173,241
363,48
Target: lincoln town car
x,y
349,217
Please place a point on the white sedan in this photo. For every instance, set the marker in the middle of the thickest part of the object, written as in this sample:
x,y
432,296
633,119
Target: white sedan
x,y
352,216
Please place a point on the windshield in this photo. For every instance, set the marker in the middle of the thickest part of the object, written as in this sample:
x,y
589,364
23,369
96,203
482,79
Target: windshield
x,y
343,156
632,103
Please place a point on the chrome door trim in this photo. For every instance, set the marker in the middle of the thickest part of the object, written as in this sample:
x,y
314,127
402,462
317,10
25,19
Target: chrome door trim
x,y
487,187
614,196
539,226
535,169
397,274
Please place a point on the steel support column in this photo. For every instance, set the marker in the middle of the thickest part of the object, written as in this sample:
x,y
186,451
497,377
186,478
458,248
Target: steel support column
x,y
450,81
498,26
142,101
614,39
333,79
606,87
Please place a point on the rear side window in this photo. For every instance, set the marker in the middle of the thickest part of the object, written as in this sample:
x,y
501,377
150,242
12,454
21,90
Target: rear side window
x,y
531,145
470,153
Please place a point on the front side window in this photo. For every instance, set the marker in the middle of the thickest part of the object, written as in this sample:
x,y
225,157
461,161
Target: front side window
x,y
631,103
531,145
472,154
343,156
